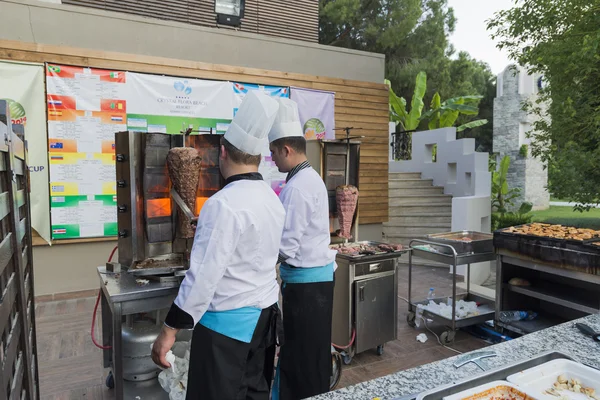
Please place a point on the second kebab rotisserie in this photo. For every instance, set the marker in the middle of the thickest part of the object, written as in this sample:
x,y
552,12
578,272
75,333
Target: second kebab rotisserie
x,y
346,197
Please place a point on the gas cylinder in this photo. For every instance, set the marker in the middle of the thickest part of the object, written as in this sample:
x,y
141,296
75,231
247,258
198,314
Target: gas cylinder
x,y
138,336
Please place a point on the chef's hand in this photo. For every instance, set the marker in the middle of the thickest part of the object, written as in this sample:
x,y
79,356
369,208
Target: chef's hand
x,y
163,343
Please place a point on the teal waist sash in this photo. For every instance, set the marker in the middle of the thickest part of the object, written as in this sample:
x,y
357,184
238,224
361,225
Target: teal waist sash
x,y
238,324
291,274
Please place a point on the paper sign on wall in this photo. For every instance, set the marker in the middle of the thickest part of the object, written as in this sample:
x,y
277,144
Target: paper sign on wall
x,y
22,85
86,106
317,112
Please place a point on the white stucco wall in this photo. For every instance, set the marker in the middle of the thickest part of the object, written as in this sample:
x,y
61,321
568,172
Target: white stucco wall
x,y
463,173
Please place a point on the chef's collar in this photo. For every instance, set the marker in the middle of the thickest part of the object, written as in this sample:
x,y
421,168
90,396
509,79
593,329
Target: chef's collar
x,y
296,169
250,176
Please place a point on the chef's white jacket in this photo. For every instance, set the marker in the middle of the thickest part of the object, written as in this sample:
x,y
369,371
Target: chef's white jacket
x,y
306,238
233,258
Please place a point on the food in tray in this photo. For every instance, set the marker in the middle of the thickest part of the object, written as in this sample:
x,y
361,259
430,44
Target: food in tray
x,y
356,249
519,282
500,393
554,231
573,385
390,247
498,390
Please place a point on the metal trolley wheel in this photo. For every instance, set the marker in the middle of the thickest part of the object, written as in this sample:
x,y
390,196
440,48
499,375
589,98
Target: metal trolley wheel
x,y
336,370
447,337
110,381
411,317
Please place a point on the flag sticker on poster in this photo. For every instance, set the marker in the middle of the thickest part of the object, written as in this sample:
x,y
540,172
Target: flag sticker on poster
x,y
317,112
86,106
267,167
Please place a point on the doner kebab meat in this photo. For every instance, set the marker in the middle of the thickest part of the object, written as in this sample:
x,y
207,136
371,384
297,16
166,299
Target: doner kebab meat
x,y
184,170
346,197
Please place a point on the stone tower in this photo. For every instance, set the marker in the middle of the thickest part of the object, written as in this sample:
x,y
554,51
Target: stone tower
x,y
511,125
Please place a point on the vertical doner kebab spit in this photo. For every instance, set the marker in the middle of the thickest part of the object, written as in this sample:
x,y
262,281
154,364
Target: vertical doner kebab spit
x,y
346,197
184,164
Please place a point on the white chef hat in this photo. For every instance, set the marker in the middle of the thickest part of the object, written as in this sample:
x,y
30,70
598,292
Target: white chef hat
x,y
287,122
252,123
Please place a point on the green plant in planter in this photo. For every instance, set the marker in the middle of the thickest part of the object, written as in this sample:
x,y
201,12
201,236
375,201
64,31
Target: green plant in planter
x,y
502,196
524,150
408,120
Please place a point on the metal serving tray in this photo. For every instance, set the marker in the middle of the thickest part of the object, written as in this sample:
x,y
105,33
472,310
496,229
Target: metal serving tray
x,y
377,254
479,242
562,253
500,373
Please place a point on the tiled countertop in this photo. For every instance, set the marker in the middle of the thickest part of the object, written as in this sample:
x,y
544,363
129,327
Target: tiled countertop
x,y
564,338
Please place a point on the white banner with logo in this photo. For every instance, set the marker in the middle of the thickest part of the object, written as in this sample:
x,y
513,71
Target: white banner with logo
x,y
23,86
167,104
317,112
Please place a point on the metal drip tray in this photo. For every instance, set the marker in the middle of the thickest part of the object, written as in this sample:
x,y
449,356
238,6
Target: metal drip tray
x,y
156,266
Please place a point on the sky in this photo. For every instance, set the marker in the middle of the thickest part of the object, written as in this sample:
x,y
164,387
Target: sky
x,y
471,35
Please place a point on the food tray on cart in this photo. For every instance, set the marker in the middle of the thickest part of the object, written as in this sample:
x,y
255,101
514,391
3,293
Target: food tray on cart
x,y
464,242
366,248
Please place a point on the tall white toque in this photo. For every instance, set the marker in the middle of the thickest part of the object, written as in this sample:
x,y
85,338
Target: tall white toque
x,y
287,122
252,123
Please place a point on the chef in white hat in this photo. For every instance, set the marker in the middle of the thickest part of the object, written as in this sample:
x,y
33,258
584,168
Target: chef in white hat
x,y
229,294
307,265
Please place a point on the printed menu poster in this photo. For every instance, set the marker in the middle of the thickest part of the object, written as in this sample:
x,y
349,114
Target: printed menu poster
x,y
86,106
267,167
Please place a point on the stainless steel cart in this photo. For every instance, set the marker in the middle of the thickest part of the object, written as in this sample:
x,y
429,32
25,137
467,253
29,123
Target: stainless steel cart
x,y
122,296
365,305
439,250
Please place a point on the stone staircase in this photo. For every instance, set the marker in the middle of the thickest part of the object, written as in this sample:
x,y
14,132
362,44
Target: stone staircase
x,y
417,208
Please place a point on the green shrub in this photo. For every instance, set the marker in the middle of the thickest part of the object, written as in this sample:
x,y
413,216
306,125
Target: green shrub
x,y
509,219
505,220
524,150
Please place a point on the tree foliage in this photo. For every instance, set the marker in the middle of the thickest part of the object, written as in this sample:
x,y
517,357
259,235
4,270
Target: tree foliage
x,y
561,41
413,35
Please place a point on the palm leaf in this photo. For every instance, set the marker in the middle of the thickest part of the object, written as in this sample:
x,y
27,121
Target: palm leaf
x,y
472,124
416,105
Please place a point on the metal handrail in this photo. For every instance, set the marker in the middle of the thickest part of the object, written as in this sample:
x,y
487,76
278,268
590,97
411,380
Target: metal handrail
x,y
402,145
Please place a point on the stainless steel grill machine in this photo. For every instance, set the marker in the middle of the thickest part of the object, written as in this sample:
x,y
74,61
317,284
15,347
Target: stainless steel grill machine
x,y
147,213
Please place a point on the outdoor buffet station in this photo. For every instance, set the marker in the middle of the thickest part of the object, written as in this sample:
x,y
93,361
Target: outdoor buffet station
x,y
154,242
550,271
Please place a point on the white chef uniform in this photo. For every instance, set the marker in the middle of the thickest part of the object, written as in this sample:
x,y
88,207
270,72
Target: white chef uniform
x,y
306,270
230,291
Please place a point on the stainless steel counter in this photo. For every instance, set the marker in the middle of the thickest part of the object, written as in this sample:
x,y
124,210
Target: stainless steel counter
x,y
121,296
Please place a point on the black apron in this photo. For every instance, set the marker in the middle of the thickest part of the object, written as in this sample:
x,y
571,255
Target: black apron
x,y
305,367
222,368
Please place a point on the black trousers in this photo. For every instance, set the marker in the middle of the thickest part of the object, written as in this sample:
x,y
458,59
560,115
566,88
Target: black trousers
x,y
305,357
222,368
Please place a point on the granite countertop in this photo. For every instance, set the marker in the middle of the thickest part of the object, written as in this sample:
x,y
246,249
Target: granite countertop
x,y
564,338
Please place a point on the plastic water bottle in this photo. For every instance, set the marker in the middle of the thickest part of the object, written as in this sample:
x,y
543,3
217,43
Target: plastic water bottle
x,y
431,294
511,316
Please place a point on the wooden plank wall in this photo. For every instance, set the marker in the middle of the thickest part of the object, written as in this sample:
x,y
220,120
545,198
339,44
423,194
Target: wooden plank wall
x,y
357,104
298,19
